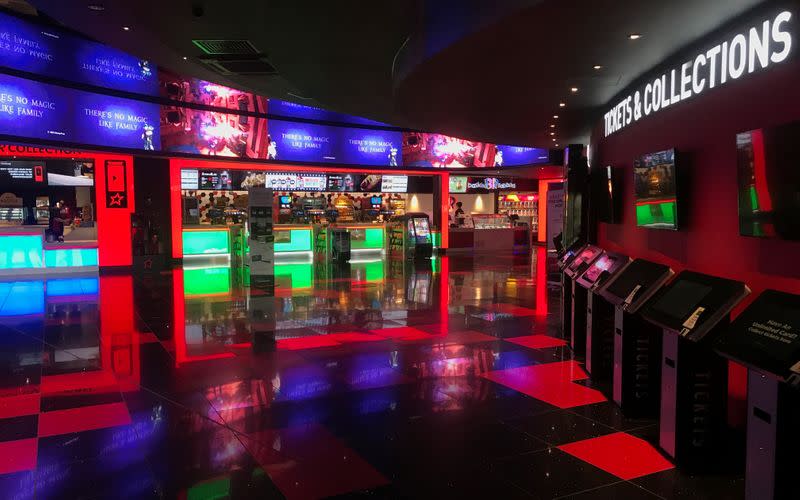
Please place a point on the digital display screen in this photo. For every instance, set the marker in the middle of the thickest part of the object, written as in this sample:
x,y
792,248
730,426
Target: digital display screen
x,y
38,110
458,184
201,132
604,263
190,179
639,273
49,51
286,201
342,182
216,180
17,172
394,183
520,155
70,173
586,256
295,110
681,299
769,182
370,184
376,201
196,91
656,190
421,227
295,182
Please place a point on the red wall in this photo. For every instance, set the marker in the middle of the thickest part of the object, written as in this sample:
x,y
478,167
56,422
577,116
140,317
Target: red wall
x,y
705,128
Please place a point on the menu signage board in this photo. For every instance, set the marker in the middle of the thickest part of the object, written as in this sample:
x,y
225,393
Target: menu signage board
x,y
394,183
342,182
458,184
48,51
43,111
295,182
190,179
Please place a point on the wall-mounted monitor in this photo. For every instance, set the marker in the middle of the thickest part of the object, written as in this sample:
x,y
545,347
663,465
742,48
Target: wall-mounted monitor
x,y
769,182
656,190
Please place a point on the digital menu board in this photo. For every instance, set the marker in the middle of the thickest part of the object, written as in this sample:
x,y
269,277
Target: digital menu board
x,y
48,51
394,184
342,182
18,171
43,111
190,178
295,182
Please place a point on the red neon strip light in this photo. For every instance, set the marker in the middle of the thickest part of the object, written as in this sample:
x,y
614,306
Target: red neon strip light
x,y
655,202
760,171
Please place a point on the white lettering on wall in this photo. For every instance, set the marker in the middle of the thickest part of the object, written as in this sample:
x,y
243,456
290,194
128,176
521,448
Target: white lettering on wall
x,y
767,43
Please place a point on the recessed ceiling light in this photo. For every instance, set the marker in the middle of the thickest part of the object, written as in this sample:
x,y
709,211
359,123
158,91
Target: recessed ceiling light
x,y
555,116
573,89
96,7
552,125
562,104
126,28
552,133
596,67
185,58
554,139
556,144
634,36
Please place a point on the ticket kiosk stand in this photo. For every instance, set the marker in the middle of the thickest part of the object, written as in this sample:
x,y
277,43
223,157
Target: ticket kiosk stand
x,y
766,339
566,291
600,314
637,343
693,310
577,311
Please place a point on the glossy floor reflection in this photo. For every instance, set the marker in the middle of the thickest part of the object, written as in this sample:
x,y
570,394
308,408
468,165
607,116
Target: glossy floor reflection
x,y
444,379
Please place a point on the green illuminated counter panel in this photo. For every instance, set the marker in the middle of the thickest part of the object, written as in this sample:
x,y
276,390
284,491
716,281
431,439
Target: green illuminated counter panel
x,y
24,250
206,240
293,239
365,236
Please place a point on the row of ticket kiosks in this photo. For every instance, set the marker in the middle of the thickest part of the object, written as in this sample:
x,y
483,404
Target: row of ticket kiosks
x,y
663,341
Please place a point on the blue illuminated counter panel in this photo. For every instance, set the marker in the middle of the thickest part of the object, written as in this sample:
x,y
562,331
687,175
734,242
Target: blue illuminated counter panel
x,y
23,250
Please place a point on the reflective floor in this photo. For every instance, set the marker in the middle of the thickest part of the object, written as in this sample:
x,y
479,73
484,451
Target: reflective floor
x,y
447,379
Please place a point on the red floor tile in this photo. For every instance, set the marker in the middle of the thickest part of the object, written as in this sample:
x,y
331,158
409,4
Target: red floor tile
x,y
308,462
19,405
402,333
469,337
312,342
551,383
537,341
513,309
621,454
86,418
16,456
79,382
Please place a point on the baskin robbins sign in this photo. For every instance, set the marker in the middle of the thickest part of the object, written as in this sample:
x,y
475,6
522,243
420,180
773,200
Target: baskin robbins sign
x,y
765,44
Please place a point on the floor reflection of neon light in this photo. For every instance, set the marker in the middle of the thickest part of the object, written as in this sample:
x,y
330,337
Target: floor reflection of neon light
x,y
207,281
301,275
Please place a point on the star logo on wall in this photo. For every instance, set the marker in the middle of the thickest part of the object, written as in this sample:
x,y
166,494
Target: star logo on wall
x,y
116,199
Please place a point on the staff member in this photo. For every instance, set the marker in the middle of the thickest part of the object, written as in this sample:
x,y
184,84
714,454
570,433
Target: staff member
x,y
59,215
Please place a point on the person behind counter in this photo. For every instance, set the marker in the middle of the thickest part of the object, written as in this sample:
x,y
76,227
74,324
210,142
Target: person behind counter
x,y
60,214
459,214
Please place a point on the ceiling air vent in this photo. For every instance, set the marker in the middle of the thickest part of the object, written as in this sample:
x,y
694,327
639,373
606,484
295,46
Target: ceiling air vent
x,y
226,47
240,66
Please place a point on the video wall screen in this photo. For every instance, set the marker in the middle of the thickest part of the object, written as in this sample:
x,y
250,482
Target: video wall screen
x,y
294,110
655,184
195,91
43,111
769,182
48,51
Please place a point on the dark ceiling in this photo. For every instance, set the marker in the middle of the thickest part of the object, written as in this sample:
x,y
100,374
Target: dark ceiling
x,y
493,71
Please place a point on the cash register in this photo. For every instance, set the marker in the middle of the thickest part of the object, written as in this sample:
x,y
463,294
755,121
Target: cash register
x,y
692,311
637,344
765,338
577,311
600,314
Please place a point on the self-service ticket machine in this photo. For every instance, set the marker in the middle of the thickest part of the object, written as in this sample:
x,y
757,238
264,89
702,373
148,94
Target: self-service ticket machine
x,y
692,310
600,314
766,339
636,385
566,288
577,311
